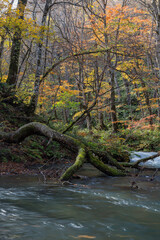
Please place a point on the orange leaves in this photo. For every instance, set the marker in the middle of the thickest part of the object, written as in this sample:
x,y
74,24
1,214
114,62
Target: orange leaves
x,y
66,87
123,26
56,94
141,124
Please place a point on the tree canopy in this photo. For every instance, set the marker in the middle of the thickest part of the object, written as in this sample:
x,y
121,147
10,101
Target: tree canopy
x,y
91,64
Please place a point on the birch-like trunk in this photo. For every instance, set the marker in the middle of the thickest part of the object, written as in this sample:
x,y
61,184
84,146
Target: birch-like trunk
x,y
34,99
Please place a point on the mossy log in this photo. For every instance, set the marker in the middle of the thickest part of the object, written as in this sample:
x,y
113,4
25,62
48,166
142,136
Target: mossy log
x,y
107,158
80,159
94,160
74,145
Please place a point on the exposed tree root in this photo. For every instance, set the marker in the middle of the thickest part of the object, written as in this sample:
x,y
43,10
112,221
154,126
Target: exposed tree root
x,y
84,152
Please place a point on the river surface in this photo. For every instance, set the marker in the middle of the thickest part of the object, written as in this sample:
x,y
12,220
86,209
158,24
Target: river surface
x,y
95,208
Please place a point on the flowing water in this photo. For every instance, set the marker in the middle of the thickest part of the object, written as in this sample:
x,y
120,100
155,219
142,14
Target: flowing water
x,y
96,208
154,163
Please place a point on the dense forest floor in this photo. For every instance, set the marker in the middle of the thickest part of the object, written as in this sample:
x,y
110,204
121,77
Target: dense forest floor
x,y
33,156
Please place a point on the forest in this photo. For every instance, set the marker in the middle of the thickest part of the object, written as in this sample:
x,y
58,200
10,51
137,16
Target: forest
x,y
85,75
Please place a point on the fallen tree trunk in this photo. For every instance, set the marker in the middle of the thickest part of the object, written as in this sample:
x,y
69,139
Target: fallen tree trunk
x,y
81,157
136,164
143,160
84,152
94,160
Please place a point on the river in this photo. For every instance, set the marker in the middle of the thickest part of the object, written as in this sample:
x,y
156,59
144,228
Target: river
x,y
99,208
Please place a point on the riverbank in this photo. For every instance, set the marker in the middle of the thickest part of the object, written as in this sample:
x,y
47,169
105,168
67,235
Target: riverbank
x,y
47,171
12,168
35,156
53,171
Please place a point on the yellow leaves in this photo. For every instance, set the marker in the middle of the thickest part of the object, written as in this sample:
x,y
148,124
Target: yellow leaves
x,y
140,89
11,22
87,90
4,78
25,91
91,83
141,107
136,81
90,77
77,114
59,96
124,66
125,76
65,87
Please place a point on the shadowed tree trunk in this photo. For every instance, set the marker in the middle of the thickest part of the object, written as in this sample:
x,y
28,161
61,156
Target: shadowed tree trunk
x,y
15,50
113,105
1,53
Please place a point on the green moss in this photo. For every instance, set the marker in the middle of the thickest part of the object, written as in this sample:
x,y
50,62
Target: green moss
x,y
103,167
76,166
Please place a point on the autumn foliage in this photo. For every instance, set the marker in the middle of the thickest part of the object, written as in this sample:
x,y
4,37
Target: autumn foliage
x,y
113,63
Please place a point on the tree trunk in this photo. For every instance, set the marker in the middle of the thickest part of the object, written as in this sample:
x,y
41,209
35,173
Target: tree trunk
x,y
156,14
1,53
65,116
88,120
34,99
146,94
76,166
127,87
15,50
113,106
74,145
101,121
111,73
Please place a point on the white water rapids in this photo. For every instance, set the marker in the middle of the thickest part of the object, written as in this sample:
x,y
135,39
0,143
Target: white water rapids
x,y
153,163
